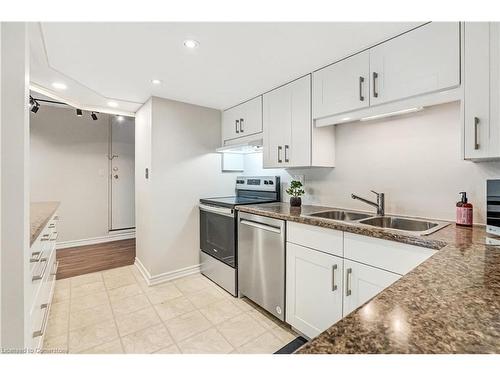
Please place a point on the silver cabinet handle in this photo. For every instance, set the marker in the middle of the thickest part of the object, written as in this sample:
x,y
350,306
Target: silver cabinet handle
x,y
41,274
361,80
54,236
41,331
279,154
36,256
237,126
286,154
241,126
52,226
476,142
334,286
375,92
348,282
45,237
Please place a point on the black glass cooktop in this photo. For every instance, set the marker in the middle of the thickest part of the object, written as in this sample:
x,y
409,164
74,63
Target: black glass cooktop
x,y
234,201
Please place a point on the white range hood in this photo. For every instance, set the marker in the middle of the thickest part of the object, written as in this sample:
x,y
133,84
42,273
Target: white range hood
x,y
245,145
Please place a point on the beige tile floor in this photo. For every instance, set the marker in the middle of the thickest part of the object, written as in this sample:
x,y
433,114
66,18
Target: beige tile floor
x,y
116,312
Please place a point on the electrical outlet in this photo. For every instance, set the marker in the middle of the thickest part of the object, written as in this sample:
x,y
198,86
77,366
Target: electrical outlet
x,y
299,177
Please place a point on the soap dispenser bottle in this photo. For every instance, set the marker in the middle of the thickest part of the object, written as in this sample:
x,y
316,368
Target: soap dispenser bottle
x,y
464,211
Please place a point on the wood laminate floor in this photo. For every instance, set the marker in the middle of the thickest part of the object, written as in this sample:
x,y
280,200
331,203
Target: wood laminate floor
x,y
80,260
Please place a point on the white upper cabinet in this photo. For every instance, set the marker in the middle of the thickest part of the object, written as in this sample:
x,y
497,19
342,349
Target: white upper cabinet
x,y
403,72
242,120
314,288
342,87
421,61
288,132
481,105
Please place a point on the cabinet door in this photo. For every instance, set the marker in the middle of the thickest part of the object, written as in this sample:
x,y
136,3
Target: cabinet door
x,y
276,124
313,289
287,125
362,283
250,117
230,128
476,89
342,87
297,149
494,141
421,61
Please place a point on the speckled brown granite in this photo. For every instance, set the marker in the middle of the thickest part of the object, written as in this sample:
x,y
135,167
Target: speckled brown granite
x,y
40,213
448,304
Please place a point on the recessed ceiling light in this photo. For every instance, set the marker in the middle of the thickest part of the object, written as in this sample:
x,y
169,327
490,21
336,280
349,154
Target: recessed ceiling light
x,y
155,81
191,43
113,104
59,86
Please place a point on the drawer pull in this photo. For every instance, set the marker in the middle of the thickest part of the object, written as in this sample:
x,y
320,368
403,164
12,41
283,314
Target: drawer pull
x,y
45,237
36,256
348,282
334,286
41,331
41,274
53,225
56,267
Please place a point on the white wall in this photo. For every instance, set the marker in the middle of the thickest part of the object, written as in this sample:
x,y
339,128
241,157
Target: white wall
x,y
184,168
414,159
69,164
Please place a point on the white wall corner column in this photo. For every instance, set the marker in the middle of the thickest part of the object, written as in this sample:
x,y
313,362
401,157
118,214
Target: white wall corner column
x,y
176,142
14,185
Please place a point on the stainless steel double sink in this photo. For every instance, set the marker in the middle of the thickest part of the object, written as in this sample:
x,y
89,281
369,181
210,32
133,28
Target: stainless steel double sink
x,y
413,226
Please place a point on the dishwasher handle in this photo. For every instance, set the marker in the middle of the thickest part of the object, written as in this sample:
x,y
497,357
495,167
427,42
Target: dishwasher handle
x,y
257,225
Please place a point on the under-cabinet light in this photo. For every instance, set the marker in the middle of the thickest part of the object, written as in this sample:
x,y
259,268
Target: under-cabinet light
x,y
395,113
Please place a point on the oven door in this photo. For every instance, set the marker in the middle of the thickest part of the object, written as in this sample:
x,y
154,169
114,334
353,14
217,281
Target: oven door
x,y
218,233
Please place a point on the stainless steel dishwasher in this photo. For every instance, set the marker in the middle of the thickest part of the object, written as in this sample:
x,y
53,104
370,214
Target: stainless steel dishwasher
x,y
261,261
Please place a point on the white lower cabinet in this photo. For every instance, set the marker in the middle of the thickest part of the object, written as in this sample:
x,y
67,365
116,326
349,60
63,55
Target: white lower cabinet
x,y
313,289
362,283
330,273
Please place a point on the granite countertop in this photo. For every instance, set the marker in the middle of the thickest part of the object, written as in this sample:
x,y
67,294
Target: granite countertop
x,y
40,213
448,304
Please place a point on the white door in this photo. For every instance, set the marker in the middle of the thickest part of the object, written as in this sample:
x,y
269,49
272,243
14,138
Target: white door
x,y
276,123
342,87
476,89
229,125
250,117
122,154
313,289
287,125
298,145
421,61
362,283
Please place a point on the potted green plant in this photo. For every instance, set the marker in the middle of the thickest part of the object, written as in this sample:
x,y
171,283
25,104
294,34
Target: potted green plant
x,y
295,191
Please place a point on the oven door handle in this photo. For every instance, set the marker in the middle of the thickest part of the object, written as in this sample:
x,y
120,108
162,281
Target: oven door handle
x,y
217,210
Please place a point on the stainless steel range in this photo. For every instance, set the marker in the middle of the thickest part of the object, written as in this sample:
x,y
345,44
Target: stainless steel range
x,y
218,228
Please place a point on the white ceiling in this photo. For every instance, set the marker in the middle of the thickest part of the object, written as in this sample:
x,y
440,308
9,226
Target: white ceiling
x,y
234,61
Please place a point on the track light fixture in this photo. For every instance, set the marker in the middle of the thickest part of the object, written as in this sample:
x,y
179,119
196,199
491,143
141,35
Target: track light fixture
x,y
79,112
94,116
34,105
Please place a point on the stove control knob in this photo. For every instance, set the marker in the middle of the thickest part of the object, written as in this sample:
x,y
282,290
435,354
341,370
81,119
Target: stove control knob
x,y
271,182
266,182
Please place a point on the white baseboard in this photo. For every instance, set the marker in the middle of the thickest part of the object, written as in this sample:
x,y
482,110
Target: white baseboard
x,y
167,276
112,236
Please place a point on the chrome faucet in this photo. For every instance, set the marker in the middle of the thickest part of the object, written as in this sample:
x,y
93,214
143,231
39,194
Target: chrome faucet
x,y
379,204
